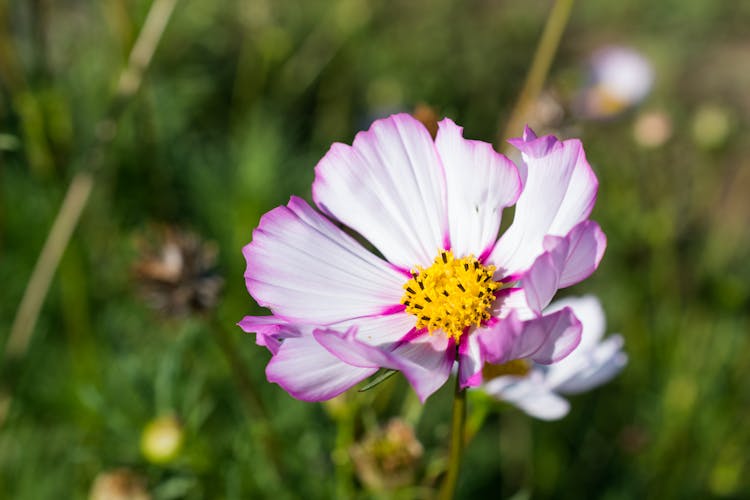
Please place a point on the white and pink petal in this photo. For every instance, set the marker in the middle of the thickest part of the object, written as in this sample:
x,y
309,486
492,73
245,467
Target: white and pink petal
x,y
513,300
269,331
590,313
547,339
531,395
559,192
542,280
566,260
470,360
480,182
389,186
497,340
384,331
601,364
581,251
309,372
424,360
304,268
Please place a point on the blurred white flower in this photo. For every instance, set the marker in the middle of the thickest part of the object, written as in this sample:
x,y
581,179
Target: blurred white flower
x,y
537,389
620,78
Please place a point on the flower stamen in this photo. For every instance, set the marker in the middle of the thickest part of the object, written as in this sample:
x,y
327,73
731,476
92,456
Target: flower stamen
x,y
450,295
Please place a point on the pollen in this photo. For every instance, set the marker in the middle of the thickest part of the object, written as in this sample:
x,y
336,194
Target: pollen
x,y
451,295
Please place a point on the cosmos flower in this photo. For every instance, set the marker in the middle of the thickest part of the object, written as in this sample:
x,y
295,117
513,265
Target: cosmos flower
x,y
620,78
446,290
536,388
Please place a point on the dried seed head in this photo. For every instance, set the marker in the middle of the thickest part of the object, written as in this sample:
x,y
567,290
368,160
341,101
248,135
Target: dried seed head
x,y
176,272
387,458
119,484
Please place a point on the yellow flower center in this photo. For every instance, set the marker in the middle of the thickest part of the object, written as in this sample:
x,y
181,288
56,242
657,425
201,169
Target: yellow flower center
x,y
516,367
450,295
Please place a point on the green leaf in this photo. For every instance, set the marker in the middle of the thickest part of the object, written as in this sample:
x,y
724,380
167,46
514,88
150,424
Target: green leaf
x,y
379,379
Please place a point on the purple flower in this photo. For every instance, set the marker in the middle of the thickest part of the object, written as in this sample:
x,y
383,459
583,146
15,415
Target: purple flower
x,y
536,389
446,289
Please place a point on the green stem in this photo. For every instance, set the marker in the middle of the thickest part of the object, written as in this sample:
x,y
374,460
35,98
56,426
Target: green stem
x,y
251,398
343,467
545,53
259,416
458,422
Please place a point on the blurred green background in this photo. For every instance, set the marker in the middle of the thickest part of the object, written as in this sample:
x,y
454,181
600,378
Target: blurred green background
x,y
240,101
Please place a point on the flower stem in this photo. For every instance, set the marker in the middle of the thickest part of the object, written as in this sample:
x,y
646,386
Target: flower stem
x,y
457,443
345,437
540,64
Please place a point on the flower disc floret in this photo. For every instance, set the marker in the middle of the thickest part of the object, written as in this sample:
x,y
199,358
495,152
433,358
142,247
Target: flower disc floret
x,y
450,295
516,368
